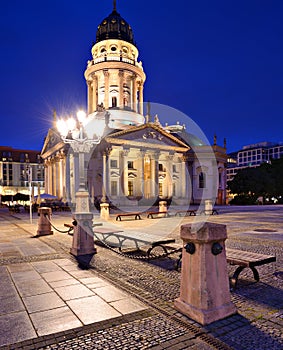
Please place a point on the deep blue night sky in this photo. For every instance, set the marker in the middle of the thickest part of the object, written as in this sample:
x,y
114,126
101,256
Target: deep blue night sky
x,y
219,62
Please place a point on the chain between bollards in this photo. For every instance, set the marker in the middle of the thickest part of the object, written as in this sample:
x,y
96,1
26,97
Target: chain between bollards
x,y
136,257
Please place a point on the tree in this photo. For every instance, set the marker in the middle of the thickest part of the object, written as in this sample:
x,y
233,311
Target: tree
x,y
264,181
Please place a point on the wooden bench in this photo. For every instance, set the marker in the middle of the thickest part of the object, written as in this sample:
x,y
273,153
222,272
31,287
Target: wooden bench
x,y
244,259
116,238
157,214
190,212
136,215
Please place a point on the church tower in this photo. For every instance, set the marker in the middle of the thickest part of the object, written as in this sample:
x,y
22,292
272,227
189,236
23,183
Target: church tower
x,y
115,78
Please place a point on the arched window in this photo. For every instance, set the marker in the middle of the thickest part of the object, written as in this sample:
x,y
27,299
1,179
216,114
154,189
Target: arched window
x,y
202,180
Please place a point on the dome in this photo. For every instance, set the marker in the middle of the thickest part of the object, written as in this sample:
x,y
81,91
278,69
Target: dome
x,y
114,27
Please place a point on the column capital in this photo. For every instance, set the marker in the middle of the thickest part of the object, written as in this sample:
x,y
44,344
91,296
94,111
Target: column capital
x,y
170,157
155,155
106,72
141,153
124,152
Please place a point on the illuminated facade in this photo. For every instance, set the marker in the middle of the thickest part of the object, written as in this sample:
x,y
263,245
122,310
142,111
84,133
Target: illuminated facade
x,y
138,160
253,156
15,165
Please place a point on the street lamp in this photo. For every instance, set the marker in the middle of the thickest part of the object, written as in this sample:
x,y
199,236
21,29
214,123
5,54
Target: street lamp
x,y
81,139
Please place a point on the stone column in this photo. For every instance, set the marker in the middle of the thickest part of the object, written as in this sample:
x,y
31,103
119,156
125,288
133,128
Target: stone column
x,y
57,175
106,174
45,175
94,93
204,293
134,93
154,174
121,88
183,181
124,171
141,170
54,180
106,88
169,175
89,97
141,98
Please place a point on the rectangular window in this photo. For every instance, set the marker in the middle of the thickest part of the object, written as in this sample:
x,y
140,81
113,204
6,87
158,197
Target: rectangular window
x,y
114,188
130,165
113,163
160,188
130,188
202,180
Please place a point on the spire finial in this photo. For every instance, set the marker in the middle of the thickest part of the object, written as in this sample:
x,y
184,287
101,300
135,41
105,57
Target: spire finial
x,y
114,5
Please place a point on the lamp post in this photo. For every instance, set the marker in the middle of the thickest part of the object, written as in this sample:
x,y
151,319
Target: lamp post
x,y
73,132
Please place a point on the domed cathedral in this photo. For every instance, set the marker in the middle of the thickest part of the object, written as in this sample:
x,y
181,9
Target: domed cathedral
x,y
115,78
138,161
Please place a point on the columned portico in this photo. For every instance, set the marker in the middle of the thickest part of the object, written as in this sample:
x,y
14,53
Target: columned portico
x,y
106,88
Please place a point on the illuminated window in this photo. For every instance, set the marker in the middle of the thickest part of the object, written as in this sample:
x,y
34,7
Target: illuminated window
x,y
114,101
130,165
114,188
130,188
160,188
202,180
113,163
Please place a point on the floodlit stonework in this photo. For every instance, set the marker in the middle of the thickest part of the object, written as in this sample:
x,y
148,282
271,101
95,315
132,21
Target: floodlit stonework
x,y
138,161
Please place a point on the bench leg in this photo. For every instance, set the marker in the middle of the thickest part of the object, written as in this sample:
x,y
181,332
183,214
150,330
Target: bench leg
x,y
255,272
178,263
235,276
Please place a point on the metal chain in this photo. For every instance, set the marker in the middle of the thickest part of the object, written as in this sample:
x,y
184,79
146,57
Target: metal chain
x,y
137,257
68,231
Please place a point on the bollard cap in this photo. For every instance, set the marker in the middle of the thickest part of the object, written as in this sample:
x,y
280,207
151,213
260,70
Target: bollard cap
x,y
203,232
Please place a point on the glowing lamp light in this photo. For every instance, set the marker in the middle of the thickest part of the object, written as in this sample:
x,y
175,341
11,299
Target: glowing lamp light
x,y
62,127
81,115
71,124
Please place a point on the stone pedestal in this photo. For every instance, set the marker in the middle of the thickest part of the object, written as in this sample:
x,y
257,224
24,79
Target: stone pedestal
x,y
83,242
104,211
44,226
162,207
205,294
208,206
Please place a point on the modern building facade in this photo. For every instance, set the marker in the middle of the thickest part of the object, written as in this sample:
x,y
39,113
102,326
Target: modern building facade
x,y
252,156
19,169
138,160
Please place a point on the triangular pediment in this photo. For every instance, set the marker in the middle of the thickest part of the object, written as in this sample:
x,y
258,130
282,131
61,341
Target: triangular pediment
x,y
149,135
52,143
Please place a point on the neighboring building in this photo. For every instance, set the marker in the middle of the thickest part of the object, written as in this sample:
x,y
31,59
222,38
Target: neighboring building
x,y
138,160
252,156
19,167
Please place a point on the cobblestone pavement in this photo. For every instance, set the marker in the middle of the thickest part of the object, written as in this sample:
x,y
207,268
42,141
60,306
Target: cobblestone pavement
x,y
257,325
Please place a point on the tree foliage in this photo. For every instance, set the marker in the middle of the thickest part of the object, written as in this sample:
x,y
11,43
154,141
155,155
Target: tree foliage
x,y
264,181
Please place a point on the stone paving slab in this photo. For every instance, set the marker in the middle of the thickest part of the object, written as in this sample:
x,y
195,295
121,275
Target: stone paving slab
x,y
258,324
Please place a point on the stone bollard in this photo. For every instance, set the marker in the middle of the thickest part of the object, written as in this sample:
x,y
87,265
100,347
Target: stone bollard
x,y
204,293
104,211
44,226
83,241
208,206
162,208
